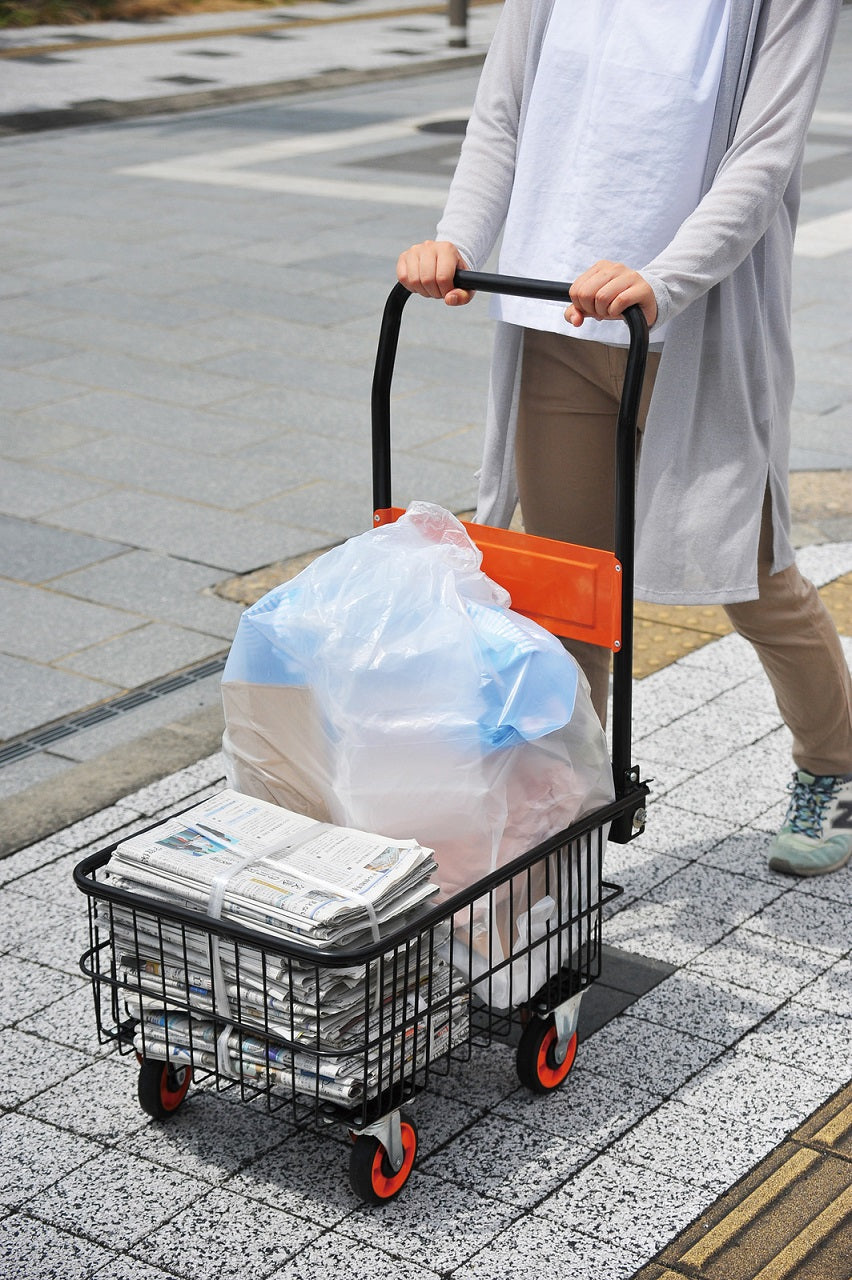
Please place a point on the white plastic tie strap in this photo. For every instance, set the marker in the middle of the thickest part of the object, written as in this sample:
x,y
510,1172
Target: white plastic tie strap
x,y
221,999
223,1056
317,882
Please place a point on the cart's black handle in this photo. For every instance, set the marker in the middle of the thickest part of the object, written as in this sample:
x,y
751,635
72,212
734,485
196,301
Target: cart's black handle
x,y
625,465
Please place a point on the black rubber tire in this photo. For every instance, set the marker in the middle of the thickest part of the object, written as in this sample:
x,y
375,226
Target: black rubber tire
x,y
162,1087
370,1174
536,1061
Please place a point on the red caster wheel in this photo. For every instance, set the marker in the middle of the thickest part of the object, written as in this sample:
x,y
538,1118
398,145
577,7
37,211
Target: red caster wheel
x,y
162,1087
536,1061
371,1176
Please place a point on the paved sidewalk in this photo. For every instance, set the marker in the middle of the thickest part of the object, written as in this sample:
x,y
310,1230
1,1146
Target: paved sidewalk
x,y
670,1102
188,308
185,374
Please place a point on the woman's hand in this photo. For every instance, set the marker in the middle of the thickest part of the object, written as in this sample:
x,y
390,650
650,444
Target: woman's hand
x,y
606,290
428,269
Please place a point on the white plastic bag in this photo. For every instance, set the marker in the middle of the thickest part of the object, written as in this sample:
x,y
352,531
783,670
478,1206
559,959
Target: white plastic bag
x,y
390,687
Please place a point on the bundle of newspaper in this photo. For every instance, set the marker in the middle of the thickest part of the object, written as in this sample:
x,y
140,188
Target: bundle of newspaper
x,y
292,879
266,868
300,1002
370,1051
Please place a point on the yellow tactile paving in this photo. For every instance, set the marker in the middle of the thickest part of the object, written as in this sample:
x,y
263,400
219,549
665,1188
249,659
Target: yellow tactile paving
x,y
820,496
787,1264
789,1219
662,634
732,1225
832,1131
838,1132
704,619
249,587
658,644
838,599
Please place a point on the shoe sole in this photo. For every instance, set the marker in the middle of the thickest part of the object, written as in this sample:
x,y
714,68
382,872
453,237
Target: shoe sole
x,y
786,868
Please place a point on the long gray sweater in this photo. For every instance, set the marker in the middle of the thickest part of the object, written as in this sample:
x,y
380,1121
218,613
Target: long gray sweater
x,y
718,429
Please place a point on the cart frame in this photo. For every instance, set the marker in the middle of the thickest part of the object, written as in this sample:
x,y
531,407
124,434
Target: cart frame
x,y
427,990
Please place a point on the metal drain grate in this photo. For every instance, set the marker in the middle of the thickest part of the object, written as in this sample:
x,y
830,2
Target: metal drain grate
x,y
28,744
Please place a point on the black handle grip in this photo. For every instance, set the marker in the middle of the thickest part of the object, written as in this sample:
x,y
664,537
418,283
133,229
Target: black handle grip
x,y
513,286
546,291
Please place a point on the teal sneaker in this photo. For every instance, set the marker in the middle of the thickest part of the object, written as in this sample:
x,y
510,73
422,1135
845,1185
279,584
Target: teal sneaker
x,y
817,833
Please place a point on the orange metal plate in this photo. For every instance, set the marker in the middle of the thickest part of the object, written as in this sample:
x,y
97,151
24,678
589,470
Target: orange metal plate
x,y
569,590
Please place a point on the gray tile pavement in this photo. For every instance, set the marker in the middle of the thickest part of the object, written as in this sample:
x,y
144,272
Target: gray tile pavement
x,y
56,625
153,585
685,1084
28,491
218,337
136,659
31,695
37,553
210,411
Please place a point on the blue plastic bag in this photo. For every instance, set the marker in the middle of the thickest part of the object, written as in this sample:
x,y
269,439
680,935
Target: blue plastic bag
x,y
402,622
391,687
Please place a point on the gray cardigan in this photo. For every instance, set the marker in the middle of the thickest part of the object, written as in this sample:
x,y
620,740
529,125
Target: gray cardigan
x,y
718,428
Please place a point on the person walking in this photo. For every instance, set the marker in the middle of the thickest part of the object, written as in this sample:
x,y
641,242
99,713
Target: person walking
x,y
651,152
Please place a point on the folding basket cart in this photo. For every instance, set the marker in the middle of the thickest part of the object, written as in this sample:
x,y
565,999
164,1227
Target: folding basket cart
x,y
412,1021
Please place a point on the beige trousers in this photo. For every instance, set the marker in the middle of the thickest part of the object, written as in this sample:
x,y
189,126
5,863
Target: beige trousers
x,y
566,481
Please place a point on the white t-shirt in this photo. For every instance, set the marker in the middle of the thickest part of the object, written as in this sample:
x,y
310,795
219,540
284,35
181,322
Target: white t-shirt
x,y
614,145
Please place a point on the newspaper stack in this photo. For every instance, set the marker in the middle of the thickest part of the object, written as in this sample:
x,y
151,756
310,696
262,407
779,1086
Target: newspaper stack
x,y
266,868
294,880
366,1059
